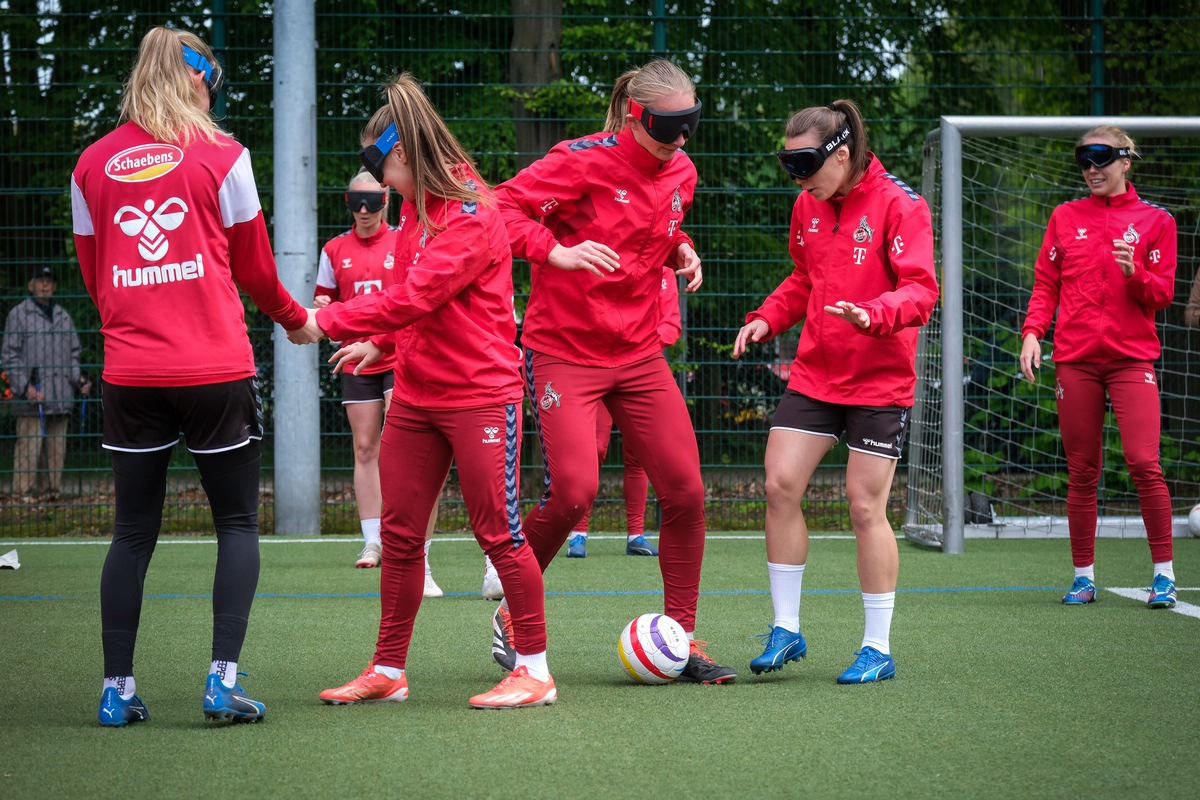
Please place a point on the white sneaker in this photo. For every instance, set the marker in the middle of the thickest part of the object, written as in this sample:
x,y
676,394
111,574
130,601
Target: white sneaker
x,y
370,556
492,589
431,587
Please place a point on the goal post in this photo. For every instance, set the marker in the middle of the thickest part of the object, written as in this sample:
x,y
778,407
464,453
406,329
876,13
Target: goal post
x,y
1007,203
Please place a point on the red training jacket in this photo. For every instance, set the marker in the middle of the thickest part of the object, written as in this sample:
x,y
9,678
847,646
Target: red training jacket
x,y
351,266
1103,316
165,236
608,188
449,316
873,248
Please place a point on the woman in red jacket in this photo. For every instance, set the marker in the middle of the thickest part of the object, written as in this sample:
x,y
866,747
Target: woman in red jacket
x,y
862,243
168,227
611,205
1107,264
449,321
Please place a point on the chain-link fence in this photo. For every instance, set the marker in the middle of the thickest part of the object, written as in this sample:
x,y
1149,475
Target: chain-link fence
x,y
511,78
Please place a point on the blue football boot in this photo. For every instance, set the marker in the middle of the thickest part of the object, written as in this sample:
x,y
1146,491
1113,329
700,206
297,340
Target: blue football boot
x,y
577,546
782,646
870,666
1162,593
117,713
230,705
638,546
1082,592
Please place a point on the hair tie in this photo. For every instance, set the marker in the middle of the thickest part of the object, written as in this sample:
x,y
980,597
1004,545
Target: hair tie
x,y
832,107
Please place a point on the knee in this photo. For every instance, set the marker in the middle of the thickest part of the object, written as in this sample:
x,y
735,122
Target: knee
x,y
1145,469
867,513
784,488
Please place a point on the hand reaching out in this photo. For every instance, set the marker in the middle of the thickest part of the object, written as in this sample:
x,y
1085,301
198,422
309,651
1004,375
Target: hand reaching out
x,y
365,353
753,331
689,267
849,312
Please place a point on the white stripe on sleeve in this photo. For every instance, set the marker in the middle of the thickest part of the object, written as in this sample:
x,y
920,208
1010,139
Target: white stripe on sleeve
x,y
238,195
81,216
325,276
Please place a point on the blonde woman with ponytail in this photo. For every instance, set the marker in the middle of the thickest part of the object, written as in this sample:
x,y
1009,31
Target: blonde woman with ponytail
x,y
448,320
168,229
598,218
863,282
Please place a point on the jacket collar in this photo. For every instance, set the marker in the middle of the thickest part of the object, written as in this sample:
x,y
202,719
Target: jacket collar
x,y
1127,197
637,156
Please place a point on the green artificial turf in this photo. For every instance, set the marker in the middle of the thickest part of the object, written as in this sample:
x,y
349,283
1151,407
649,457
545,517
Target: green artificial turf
x,y
1001,691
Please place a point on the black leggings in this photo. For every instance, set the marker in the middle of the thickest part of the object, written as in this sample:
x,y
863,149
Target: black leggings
x,y
230,480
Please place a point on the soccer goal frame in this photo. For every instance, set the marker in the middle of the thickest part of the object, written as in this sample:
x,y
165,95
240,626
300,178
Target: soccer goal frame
x,y
949,535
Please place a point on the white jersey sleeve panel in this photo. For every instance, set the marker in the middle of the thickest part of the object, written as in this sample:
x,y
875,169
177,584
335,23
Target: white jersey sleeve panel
x,y
81,215
325,276
238,195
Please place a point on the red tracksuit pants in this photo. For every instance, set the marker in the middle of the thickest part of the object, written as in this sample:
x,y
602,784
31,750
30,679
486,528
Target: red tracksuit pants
x,y
646,406
635,482
414,456
1133,389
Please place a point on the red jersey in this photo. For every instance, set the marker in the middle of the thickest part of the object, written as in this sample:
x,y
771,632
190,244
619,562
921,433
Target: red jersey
x,y
449,316
874,248
351,266
165,236
607,188
1102,315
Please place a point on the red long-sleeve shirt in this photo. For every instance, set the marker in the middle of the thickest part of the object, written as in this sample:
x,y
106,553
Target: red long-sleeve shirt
x,y
1102,314
165,236
352,265
449,316
607,188
873,248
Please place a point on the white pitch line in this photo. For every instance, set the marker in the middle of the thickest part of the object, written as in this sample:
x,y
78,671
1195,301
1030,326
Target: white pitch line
x,y
1187,609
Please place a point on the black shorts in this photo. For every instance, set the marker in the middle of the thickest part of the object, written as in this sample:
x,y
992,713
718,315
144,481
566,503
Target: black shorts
x,y
878,430
366,388
213,417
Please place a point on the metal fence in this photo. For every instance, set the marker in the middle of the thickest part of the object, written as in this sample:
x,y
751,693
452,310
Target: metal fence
x,y
511,77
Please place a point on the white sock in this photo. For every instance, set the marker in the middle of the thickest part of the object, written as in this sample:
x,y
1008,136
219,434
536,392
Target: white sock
x,y
535,663
785,594
633,536
125,685
578,533
370,529
428,570
392,672
1088,572
488,567
877,609
1166,568
226,671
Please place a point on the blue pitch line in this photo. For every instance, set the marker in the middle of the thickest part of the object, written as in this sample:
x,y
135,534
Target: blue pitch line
x,y
606,593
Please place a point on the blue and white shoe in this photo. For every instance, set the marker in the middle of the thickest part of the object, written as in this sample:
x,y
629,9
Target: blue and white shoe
x,y
230,705
638,546
1083,591
577,546
870,666
1162,593
117,713
782,646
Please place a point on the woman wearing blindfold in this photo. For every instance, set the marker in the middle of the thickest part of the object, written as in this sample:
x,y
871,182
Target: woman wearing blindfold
x,y
863,283
168,228
449,321
1106,265
598,218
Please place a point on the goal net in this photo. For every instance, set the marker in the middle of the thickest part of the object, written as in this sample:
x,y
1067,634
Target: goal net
x,y
985,458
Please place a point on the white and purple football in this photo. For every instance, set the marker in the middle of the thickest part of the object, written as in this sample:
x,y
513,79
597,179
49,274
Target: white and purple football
x,y
653,649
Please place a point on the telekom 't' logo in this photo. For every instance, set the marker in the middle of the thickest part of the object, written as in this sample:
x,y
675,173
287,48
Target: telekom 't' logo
x,y
149,226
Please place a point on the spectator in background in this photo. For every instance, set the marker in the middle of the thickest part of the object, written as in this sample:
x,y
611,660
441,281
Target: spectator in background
x,y
1191,313
41,354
